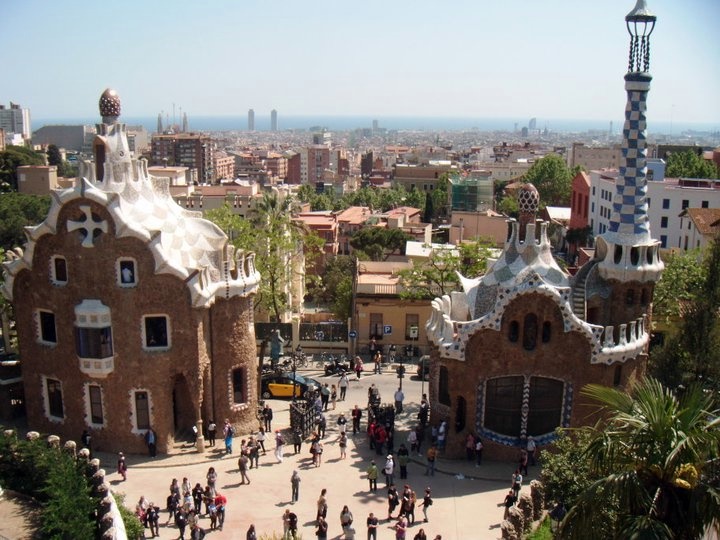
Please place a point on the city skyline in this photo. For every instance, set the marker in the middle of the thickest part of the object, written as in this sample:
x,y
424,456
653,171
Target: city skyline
x,y
519,59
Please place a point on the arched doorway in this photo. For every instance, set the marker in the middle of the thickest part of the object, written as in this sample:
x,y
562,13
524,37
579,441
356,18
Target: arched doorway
x,y
183,409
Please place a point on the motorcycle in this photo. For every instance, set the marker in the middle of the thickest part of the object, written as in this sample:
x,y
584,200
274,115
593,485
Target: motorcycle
x,y
336,367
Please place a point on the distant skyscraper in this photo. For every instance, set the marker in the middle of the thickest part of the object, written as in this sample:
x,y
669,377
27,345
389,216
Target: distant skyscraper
x,y
273,120
533,123
251,120
185,128
15,120
375,125
160,126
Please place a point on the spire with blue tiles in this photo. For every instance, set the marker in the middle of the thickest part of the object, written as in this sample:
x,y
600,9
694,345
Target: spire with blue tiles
x,y
627,250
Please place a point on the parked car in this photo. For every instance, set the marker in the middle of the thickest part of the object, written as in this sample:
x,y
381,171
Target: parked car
x,y
423,369
280,385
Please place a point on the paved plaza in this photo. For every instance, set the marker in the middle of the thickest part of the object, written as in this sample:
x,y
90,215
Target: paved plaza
x,y
466,497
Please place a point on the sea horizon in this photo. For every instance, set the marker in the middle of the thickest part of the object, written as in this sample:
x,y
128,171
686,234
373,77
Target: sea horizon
x,y
392,123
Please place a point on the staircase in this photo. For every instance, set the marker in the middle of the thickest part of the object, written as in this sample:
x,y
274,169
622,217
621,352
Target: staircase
x,y
578,296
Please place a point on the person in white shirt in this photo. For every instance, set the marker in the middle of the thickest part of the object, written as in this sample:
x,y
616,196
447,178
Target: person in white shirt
x,y
531,447
399,398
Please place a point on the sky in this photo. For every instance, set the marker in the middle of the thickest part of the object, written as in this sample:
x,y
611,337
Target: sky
x,y
561,59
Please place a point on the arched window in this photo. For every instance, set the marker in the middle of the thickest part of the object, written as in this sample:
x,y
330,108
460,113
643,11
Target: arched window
x,y
503,405
514,331
630,297
617,376
444,386
460,414
530,329
546,397
238,385
546,332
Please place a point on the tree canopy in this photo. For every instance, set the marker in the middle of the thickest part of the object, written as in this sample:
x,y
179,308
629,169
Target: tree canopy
x,y
693,354
12,158
689,164
378,243
652,454
17,211
334,287
438,274
553,180
279,243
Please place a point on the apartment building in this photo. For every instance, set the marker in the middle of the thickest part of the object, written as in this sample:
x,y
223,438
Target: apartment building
x,y
666,199
186,150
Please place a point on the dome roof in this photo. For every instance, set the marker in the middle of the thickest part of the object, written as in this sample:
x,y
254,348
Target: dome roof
x,y
109,104
528,199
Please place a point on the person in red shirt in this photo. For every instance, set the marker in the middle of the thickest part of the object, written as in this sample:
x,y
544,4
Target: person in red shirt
x,y
220,503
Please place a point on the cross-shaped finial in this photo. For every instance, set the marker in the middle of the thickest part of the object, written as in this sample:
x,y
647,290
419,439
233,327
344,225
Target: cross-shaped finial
x,y
88,225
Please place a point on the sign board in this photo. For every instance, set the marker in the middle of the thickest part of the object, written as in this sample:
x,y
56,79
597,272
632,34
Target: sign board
x,y
387,329
414,332
352,334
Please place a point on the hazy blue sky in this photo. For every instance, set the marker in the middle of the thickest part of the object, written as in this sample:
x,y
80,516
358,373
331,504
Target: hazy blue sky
x,y
474,58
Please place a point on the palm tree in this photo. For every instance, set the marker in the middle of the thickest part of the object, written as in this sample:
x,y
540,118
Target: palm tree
x,y
279,239
654,454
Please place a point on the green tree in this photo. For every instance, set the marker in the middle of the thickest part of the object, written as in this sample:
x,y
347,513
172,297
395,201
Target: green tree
x,y
334,288
566,474
689,164
693,354
10,160
652,454
509,206
70,507
680,284
378,243
17,211
53,155
438,274
279,244
439,198
553,180
429,213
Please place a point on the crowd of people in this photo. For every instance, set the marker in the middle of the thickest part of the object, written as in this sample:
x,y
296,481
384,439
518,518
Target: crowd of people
x,y
189,504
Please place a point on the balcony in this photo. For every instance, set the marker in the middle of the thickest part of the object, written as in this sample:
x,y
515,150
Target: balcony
x,y
98,368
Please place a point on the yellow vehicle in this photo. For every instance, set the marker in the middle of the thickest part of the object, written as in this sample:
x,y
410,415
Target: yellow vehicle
x,y
280,385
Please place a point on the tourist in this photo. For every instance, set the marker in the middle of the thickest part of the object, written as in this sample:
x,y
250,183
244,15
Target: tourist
x,y
531,447
389,470
243,468
321,530
343,445
297,440
342,423
356,416
333,396
322,505
228,434
343,384
403,459
431,457
267,414
211,431
295,486
122,466
516,482
399,398
427,503
279,444
478,451
251,534
372,475
393,500
211,478
346,520
372,524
